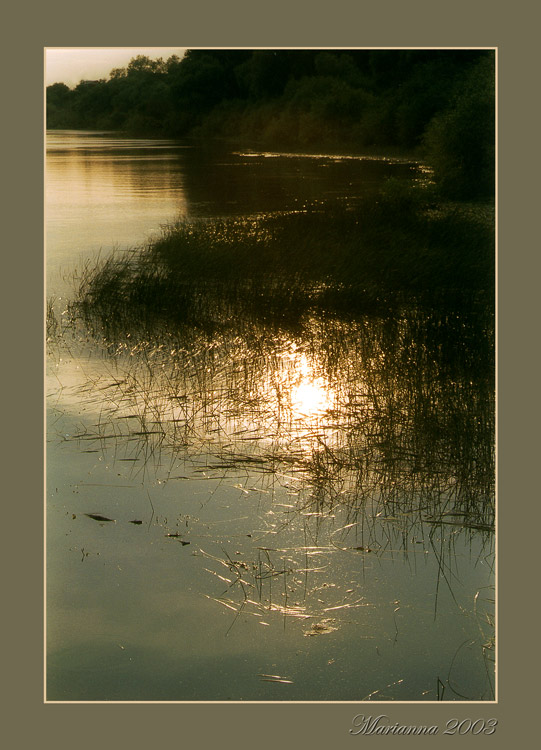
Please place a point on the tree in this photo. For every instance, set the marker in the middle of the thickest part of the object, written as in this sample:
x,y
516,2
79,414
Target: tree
x,y
198,84
264,75
144,64
460,140
59,99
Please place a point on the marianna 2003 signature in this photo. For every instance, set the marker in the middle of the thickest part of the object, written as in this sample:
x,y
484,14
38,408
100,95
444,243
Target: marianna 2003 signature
x,y
381,725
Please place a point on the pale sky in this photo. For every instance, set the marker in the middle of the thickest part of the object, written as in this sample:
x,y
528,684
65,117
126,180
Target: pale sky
x,y
71,65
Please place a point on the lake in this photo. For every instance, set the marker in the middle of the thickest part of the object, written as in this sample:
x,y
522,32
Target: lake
x,y
258,513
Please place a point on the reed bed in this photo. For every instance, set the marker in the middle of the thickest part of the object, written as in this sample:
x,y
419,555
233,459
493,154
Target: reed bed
x,y
397,457
406,425
334,366
279,268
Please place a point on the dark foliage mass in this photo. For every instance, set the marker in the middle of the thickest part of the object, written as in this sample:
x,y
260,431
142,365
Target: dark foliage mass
x,y
440,102
277,270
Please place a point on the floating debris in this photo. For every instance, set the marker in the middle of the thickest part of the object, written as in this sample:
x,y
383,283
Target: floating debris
x,y
176,536
98,517
321,628
275,678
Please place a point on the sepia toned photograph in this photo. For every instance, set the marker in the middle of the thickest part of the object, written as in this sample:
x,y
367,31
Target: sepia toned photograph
x,y
270,288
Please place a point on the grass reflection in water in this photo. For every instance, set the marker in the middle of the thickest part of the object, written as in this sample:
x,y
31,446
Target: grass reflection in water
x,y
377,428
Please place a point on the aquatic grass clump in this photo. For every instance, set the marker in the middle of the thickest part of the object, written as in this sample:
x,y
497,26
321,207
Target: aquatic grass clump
x,y
397,412
398,464
389,306
280,268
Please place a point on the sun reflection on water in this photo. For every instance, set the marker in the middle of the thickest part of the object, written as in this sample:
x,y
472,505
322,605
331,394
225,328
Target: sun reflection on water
x,y
308,395
309,399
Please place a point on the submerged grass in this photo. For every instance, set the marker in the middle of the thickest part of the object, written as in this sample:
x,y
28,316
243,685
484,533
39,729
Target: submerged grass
x,y
384,310
405,429
390,306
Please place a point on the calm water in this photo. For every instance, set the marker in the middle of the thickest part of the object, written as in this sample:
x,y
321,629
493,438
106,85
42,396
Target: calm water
x,y
295,516
106,193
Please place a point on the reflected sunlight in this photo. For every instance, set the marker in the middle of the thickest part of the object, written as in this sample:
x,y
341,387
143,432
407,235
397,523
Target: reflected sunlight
x,y
309,399
309,396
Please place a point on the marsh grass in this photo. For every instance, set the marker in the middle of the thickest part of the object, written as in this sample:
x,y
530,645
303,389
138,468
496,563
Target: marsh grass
x,y
400,463
385,310
391,303
407,430
277,268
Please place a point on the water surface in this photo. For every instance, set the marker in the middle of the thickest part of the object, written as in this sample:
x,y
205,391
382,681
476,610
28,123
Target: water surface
x,y
271,514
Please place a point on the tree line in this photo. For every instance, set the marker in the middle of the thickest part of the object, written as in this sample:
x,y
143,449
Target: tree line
x,y
440,103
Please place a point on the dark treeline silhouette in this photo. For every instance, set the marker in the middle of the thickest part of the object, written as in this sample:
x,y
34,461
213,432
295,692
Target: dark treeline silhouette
x,y
439,102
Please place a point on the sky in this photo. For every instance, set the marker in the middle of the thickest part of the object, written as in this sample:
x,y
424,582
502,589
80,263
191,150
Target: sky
x,y
71,65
